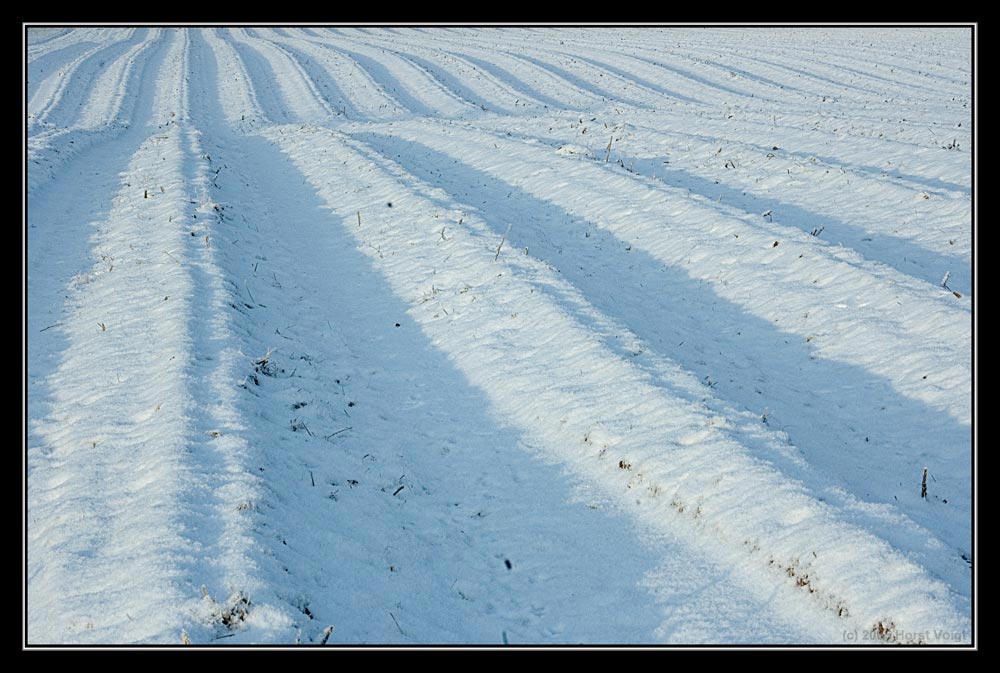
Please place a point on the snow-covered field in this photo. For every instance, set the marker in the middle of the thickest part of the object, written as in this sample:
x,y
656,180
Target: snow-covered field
x,y
499,335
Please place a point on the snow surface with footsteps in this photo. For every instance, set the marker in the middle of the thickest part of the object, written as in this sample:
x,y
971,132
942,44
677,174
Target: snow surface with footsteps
x,y
372,336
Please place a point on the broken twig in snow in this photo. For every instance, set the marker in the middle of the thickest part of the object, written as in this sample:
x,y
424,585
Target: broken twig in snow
x,y
944,284
501,241
336,433
397,623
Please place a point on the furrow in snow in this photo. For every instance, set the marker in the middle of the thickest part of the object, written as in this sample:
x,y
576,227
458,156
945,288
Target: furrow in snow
x,y
612,82
302,101
48,92
236,90
833,69
70,36
662,457
630,69
665,52
610,86
796,60
348,88
239,241
225,487
830,422
707,80
262,78
171,102
825,75
794,188
461,76
49,150
918,52
581,77
38,69
111,90
139,493
847,313
488,51
63,104
343,553
43,41
466,82
414,88
480,86
410,83
839,141
548,91
808,83
105,503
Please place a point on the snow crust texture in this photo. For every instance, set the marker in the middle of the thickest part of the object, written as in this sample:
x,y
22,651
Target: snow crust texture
x,y
499,336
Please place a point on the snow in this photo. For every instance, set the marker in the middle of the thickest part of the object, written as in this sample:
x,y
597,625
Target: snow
x,y
373,329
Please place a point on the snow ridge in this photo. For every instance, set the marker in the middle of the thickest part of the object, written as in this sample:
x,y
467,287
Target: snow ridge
x,y
660,455
499,335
